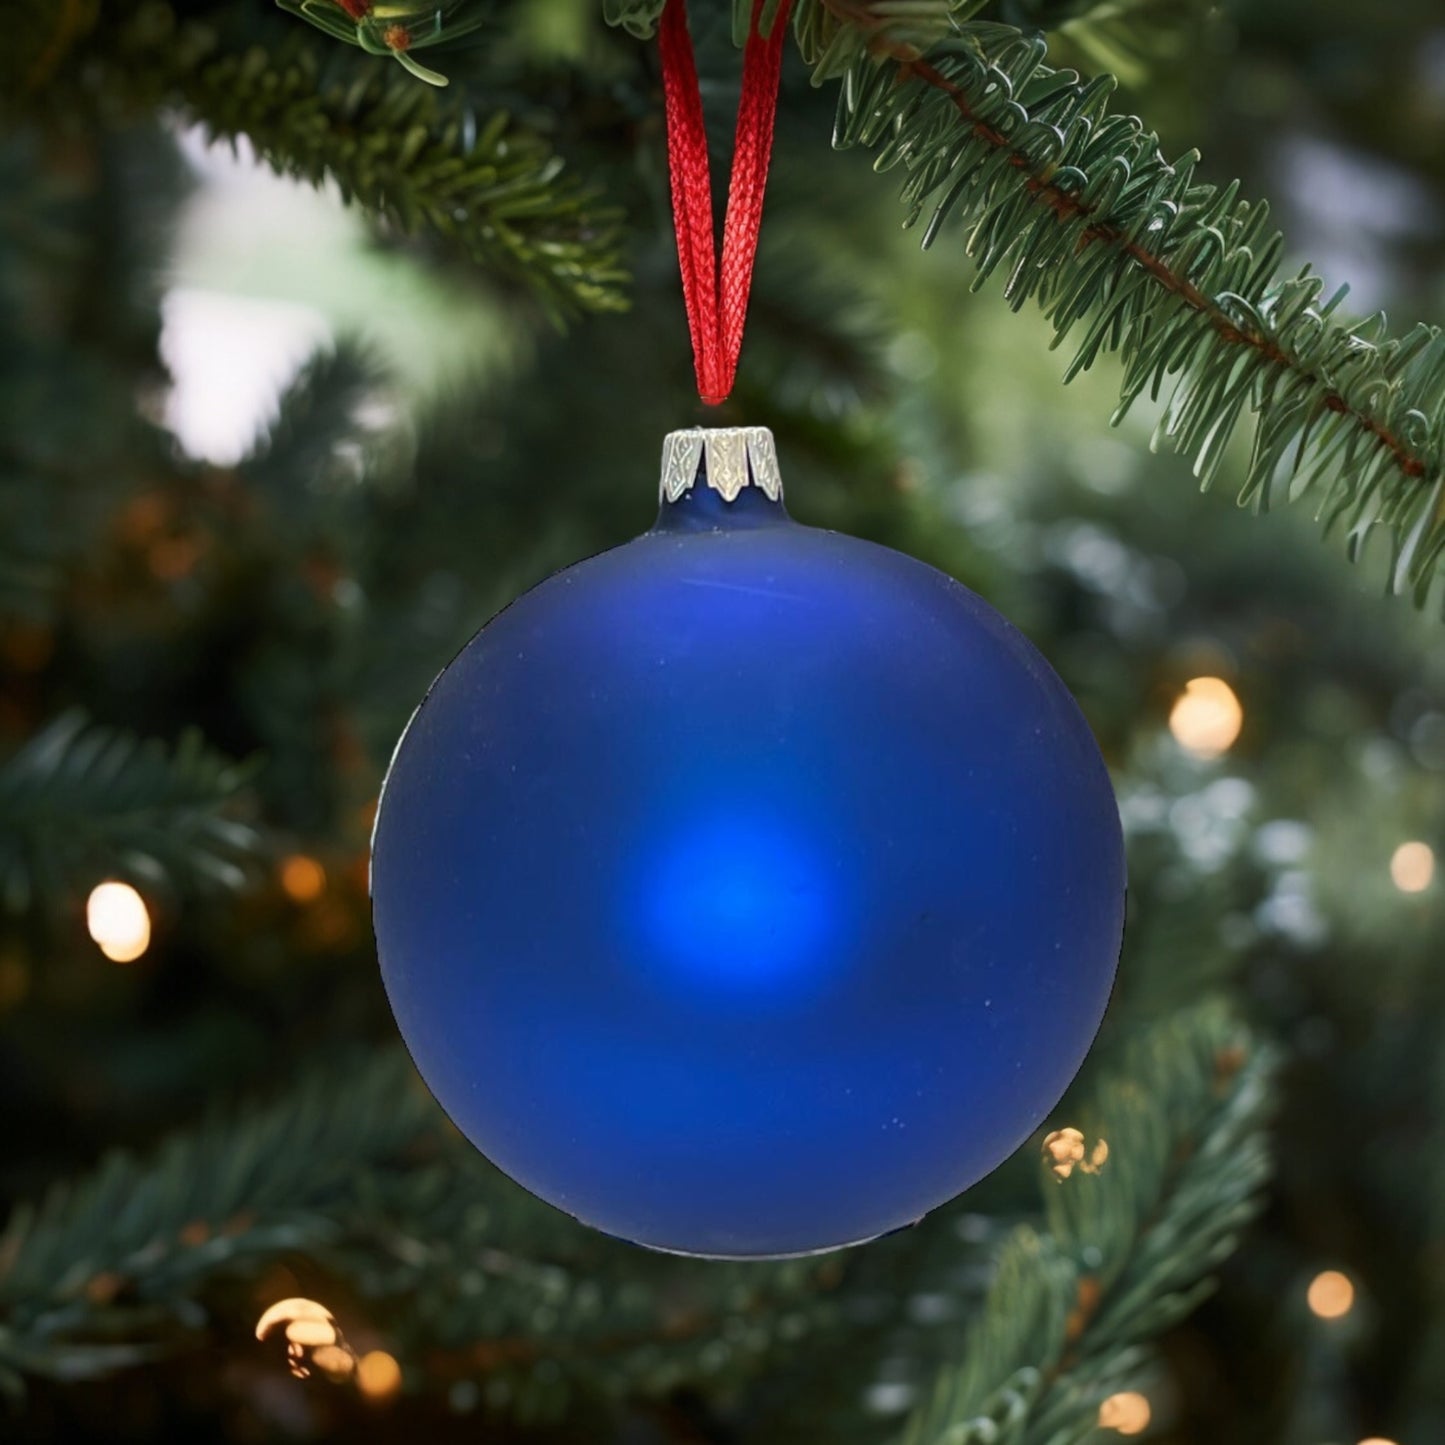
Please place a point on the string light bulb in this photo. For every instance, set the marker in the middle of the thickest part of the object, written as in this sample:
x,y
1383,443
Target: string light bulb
x,y
119,921
1412,866
1127,1413
378,1376
336,1362
313,1338
303,879
1206,717
1331,1295
1064,1152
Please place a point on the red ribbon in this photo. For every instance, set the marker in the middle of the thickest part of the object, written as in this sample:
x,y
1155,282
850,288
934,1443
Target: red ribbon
x,y
717,297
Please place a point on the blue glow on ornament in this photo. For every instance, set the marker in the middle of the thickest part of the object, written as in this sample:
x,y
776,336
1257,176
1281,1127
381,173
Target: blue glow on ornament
x,y
740,901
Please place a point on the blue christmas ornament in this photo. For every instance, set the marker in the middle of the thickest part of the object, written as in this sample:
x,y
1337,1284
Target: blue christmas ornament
x,y
750,889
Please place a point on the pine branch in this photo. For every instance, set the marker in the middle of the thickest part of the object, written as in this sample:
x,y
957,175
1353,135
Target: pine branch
x,y
357,1172
1179,277
80,802
103,1275
422,160
637,17
1083,214
1128,1249
298,458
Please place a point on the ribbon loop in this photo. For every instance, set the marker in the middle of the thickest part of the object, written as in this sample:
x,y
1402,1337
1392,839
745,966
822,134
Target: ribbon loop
x,y
716,297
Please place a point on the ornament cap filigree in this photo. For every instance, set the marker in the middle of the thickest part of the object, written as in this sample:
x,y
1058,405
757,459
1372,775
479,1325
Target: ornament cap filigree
x,y
726,458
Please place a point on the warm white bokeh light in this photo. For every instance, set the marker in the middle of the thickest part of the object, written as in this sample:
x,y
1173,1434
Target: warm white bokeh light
x,y
119,921
1127,1412
287,1311
313,1338
1064,1151
1412,867
311,1333
334,1361
303,879
378,1376
1206,717
1331,1295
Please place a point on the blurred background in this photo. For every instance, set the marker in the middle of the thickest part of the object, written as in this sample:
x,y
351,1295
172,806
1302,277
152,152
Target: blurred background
x,y
266,462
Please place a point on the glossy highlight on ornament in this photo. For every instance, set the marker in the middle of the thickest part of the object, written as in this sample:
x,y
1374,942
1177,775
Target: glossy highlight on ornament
x,y
738,900
750,889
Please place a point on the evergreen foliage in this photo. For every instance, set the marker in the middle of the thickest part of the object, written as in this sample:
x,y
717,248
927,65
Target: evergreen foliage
x,y
203,667
80,801
417,159
1079,210
1076,207
113,1270
1128,1249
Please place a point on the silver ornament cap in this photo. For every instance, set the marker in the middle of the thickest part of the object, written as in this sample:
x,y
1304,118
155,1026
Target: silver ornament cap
x,y
727,458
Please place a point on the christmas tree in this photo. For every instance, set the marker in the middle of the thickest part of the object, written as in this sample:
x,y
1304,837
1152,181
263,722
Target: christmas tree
x,y
326,340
